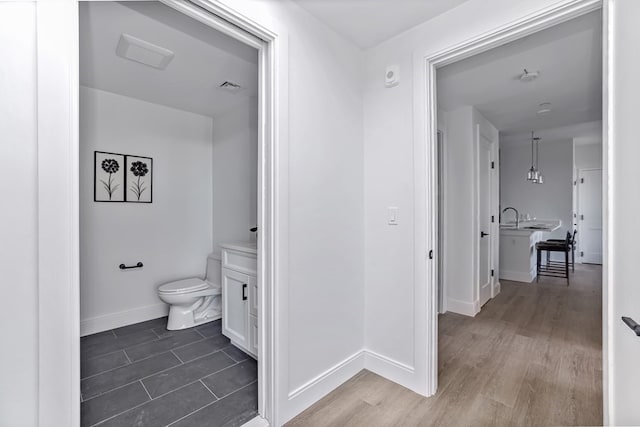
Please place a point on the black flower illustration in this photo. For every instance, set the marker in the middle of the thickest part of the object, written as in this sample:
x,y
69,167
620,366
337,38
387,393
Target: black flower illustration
x,y
110,166
139,169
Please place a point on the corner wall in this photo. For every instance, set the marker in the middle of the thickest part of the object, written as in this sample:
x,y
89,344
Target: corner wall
x,y
171,236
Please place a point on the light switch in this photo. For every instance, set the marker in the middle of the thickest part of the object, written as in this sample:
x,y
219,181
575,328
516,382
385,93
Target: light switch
x,y
392,215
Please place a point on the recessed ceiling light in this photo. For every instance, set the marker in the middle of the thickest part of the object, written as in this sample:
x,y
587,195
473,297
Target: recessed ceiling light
x,y
231,87
143,52
529,76
544,109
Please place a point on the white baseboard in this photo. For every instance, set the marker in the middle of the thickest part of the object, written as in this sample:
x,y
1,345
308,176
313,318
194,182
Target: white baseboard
x,y
258,421
391,369
463,307
518,276
496,289
312,391
122,318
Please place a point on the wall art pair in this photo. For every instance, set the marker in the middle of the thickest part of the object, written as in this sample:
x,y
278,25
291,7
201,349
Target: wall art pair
x,y
122,178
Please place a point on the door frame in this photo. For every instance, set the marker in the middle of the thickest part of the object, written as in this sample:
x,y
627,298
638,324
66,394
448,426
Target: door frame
x,y
425,162
579,225
58,200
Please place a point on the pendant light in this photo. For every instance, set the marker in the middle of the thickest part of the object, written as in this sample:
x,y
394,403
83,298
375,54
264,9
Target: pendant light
x,y
532,174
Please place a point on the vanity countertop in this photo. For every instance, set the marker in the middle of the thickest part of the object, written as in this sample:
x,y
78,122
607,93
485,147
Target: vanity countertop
x,y
249,247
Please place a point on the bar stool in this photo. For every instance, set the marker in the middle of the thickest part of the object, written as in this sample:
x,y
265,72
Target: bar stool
x,y
553,269
573,249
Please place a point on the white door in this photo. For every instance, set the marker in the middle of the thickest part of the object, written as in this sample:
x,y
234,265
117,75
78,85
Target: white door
x,y
484,218
590,215
235,306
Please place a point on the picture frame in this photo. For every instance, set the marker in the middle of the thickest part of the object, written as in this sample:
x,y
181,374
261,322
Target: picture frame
x,y
109,177
139,179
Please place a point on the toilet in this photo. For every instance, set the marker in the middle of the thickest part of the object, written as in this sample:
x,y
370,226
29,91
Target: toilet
x,y
193,301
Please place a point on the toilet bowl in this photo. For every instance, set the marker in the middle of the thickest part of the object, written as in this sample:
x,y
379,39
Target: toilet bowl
x,y
193,301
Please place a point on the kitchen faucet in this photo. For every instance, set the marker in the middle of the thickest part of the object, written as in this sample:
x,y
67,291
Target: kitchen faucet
x,y
515,210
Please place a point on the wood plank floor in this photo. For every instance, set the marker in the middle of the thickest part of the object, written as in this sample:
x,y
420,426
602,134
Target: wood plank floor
x,y
532,356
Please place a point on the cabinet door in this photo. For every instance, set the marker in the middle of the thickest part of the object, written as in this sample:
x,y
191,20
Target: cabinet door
x,y
235,307
253,296
253,336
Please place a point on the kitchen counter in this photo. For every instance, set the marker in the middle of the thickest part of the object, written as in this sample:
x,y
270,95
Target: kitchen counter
x,y
526,227
517,248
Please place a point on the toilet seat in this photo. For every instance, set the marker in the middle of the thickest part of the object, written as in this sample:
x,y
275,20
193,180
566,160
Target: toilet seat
x,y
184,286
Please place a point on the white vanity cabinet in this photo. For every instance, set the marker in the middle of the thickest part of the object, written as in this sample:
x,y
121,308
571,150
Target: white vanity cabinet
x,y
240,296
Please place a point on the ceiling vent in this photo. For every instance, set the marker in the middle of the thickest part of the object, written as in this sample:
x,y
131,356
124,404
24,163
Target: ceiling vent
x,y
143,52
231,87
529,76
544,109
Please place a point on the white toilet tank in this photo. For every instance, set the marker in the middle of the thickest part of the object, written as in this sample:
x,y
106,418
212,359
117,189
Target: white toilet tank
x,y
213,270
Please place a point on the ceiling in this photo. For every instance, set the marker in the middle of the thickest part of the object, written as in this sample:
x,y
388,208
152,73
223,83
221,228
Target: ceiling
x,y
204,58
569,59
370,22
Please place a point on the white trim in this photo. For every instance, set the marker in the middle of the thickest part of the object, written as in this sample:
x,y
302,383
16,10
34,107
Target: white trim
x,y
305,395
386,367
122,318
58,58
256,422
58,214
496,289
425,127
463,307
608,252
518,276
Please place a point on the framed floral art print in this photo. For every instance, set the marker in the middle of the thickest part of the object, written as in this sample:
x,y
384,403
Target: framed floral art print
x,y
139,179
109,177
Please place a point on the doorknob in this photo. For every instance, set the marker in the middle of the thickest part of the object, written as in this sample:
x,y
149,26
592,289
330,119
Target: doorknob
x,y
632,324
482,234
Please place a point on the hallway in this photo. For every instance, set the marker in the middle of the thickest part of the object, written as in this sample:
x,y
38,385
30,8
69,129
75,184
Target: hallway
x,y
532,356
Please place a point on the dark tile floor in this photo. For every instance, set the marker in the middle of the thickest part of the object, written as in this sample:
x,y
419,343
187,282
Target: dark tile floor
x,y
144,375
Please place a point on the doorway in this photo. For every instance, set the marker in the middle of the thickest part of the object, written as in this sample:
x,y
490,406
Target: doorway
x,y
169,192
59,352
450,326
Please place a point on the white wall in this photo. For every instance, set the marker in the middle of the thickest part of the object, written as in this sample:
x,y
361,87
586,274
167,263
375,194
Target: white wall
x,y
460,214
587,156
235,174
550,200
172,236
389,161
18,224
